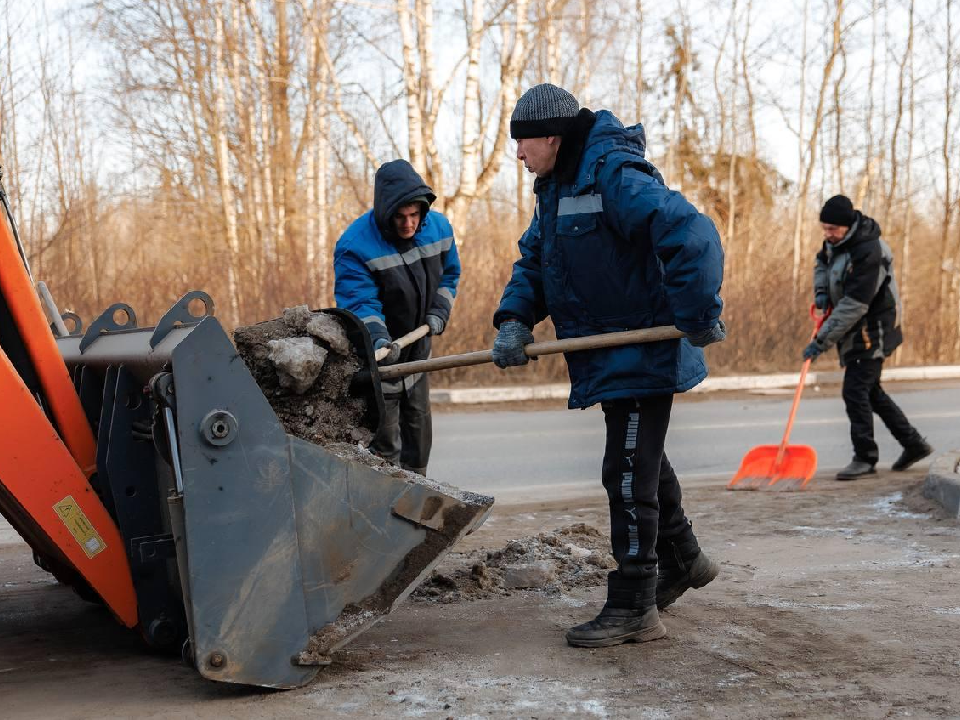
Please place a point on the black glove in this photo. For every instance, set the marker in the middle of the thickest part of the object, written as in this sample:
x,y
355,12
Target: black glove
x,y
822,300
391,356
436,324
717,333
508,347
813,350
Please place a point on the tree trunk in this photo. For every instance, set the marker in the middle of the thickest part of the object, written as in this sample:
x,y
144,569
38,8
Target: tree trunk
x,y
734,138
867,175
638,79
511,69
811,154
945,267
411,75
223,172
471,138
553,42
898,119
908,189
838,123
674,170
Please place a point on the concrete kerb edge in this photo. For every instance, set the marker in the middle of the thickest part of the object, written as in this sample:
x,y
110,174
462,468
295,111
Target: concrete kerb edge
x,y
560,391
943,482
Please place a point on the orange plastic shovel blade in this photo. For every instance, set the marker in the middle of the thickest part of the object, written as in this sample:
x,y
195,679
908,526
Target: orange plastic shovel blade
x,y
758,471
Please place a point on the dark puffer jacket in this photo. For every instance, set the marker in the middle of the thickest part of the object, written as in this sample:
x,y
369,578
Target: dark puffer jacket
x,y
857,272
612,248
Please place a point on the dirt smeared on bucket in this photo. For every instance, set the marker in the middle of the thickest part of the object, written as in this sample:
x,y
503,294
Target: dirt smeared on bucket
x,y
324,412
575,556
305,363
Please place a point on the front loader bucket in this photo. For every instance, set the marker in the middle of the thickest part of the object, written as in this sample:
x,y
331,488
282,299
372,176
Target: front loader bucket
x,y
290,550
282,550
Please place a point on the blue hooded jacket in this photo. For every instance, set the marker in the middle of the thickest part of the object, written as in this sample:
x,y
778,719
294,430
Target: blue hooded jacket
x,y
613,250
393,284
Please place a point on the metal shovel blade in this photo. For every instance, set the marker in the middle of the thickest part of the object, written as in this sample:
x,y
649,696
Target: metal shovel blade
x,y
759,469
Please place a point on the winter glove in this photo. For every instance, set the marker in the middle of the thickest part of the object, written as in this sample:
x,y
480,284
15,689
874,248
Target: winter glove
x,y
822,300
392,356
813,350
436,324
508,347
711,335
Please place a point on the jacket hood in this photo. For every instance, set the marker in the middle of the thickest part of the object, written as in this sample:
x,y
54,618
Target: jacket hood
x,y
397,183
610,140
863,229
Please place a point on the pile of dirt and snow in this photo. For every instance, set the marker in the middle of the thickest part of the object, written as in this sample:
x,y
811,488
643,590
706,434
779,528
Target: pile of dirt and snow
x,y
304,363
575,556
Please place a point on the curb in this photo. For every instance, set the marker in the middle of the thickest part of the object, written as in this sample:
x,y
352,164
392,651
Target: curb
x,y
943,482
560,391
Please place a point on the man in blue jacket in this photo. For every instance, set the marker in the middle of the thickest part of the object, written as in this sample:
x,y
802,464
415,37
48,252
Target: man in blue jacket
x,y
397,268
611,248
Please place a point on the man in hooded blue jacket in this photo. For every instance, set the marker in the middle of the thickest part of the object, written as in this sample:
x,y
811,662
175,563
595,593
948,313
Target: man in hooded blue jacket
x,y
397,268
611,248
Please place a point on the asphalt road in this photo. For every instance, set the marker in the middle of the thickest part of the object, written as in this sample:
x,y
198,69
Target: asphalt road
x,y
526,453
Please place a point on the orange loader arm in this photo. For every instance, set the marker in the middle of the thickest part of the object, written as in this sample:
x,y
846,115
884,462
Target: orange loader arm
x,y
47,448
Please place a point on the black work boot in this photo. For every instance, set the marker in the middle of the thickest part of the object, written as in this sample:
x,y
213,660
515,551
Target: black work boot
x,y
614,626
629,615
912,454
857,469
676,575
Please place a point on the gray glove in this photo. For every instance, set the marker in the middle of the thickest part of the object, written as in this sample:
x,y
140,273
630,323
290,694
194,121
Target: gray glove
x,y
821,300
392,356
508,347
436,324
717,333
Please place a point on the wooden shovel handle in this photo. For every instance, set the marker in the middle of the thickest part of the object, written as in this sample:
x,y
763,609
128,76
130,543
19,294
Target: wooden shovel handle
x,y
408,339
551,347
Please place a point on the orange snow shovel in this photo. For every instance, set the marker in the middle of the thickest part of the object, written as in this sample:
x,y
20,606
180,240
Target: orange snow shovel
x,y
783,466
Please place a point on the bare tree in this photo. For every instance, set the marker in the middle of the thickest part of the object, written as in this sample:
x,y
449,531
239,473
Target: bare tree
x,y
905,278
811,152
638,87
898,119
248,133
734,133
680,73
838,155
946,269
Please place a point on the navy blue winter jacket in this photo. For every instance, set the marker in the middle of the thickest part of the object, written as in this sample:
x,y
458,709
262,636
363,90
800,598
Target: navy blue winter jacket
x,y
393,284
612,250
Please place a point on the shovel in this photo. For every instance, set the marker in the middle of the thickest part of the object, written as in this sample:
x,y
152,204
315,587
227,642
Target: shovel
x,y
783,466
550,347
401,342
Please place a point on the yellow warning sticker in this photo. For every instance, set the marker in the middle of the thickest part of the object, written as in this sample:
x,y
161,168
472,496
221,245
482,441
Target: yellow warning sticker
x,y
82,530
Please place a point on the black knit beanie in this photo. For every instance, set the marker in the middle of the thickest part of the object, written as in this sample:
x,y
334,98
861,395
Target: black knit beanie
x,y
543,110
838,210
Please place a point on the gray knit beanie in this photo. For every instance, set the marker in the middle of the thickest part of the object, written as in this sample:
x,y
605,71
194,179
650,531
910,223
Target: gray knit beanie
x,y
543,110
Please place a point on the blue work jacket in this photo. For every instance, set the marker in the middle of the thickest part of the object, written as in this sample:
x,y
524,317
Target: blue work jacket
x,y
613,250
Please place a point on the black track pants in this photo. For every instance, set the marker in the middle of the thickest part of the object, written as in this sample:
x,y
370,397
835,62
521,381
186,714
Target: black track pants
x,y
646,511
405,435
863,397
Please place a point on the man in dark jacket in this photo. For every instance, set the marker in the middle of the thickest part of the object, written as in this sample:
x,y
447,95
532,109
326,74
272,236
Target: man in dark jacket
x,y
611,248
397,268
854,276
